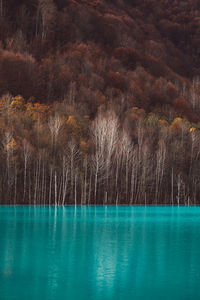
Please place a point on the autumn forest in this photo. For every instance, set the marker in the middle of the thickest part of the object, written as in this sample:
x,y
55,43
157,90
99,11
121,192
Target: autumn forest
x,y
99,102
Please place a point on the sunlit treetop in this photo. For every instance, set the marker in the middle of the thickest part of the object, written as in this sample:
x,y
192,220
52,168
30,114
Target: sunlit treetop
x,y
17,103
177,122
38,110
12,145
163,123
192,129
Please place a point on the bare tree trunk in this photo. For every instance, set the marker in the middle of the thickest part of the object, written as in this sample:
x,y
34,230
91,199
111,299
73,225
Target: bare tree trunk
x,y
59,189
55,187
117,199
43,181
95,187
127,171
25,168
35,181
29,188
90,187
172,186
15,194
85,180
37,22
26,154
45,188
1,8
75,191
132,185
39,181
65,187
50,184
179,189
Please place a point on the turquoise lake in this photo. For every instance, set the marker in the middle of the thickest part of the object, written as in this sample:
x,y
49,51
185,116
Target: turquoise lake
x,y
99,253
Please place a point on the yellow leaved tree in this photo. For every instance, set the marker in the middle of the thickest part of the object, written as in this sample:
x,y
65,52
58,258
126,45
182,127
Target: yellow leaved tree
x,y
17,103
177,123
192,130
38,111
73,126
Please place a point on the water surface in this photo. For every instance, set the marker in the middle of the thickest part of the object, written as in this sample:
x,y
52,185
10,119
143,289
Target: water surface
x,y
99,253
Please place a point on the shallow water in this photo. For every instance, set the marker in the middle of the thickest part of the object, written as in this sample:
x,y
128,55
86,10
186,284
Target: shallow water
x,y
99,252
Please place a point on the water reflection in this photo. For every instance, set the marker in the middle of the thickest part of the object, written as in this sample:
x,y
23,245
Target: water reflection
x,y
99,253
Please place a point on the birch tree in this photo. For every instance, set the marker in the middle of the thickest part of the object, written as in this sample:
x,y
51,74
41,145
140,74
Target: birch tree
x,y
160,167
126,148
47,9
1,8
55,124
73,154
26,154
105,134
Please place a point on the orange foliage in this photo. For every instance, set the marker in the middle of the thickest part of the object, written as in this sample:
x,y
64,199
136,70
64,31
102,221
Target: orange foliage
x,y
38,110
121,46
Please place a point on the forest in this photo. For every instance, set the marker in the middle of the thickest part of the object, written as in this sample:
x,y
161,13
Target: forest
x,y
99,102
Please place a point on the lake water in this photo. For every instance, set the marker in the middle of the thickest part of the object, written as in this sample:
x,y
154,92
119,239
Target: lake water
x,y
99,253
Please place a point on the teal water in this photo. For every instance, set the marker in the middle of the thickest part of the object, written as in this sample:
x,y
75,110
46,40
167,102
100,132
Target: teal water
x,y
99,253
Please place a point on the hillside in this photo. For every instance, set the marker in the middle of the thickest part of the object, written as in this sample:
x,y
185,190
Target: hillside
x,y
99,102
141,53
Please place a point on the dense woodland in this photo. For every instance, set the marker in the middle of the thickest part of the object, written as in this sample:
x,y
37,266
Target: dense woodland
x,y
99,102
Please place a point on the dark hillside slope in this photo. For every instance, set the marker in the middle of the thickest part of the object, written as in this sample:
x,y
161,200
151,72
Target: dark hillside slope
x,y
100,102
144,52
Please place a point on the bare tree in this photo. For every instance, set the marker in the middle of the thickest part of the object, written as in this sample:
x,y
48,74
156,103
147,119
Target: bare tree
x,y
160,167
8,147
104,133
65,172
1,8
5,106
47,9
126,149
55,124
26,153
73,155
